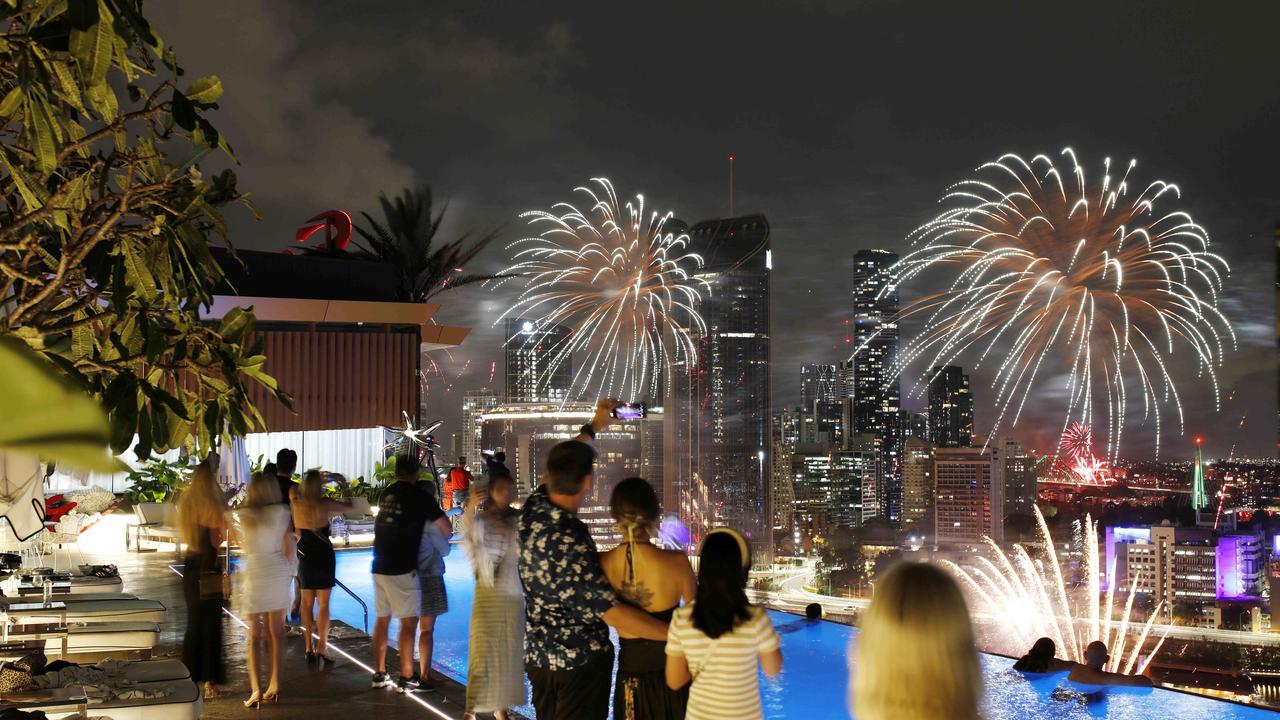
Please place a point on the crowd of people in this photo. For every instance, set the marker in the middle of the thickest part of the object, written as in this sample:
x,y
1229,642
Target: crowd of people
x,y
690,645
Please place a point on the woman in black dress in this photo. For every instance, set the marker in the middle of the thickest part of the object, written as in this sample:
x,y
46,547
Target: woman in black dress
x,y
316,560
202,515
656,581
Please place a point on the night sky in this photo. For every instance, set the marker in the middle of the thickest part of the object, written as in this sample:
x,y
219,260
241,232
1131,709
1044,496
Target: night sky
x,y
848,121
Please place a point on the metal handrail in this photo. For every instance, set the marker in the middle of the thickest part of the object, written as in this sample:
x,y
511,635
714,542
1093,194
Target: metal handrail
x,y
347,590
356,597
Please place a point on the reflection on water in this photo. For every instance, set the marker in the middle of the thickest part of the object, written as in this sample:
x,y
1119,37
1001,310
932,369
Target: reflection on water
x,y
814,679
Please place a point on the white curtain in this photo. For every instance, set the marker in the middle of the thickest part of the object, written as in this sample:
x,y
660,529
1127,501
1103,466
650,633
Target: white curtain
x,y
350,452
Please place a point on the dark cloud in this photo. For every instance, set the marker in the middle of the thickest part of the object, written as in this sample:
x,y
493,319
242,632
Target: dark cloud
x,y
848,120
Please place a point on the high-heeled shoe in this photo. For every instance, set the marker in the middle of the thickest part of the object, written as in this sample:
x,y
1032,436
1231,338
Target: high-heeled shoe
x,y
255,700
324,658
311,657
271,696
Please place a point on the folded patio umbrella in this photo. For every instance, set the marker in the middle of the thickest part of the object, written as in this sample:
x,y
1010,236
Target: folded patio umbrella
x,y
22,493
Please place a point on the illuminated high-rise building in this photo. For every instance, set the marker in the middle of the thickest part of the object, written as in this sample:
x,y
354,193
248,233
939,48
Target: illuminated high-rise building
x,y
1019,478
818,382
950,407
529,348
875,340
874,387
968,498
475,403
917,486
722,409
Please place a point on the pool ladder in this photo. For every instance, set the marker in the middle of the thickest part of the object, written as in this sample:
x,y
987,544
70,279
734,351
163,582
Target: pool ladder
x,y
363,606
357,598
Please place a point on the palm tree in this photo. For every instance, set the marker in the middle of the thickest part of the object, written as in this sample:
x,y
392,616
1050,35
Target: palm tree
x,y
406,239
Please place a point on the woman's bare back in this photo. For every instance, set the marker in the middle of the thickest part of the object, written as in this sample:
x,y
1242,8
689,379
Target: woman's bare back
x,y
661,579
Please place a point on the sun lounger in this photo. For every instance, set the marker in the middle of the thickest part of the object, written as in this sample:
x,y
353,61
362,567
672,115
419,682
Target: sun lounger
x,y
156,522
163,700
106,638
88,608
356,521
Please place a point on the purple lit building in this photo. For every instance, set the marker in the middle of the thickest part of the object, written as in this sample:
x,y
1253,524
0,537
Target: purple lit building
x,y
1180,566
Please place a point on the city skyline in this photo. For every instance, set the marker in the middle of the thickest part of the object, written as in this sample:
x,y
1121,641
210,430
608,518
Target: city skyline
x,y
835,172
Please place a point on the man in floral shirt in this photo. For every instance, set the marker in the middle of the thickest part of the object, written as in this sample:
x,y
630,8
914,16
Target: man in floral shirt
x,y
569,601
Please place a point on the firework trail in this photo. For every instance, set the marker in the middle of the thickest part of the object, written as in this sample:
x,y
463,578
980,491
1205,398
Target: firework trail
x,y
619,282
1091,278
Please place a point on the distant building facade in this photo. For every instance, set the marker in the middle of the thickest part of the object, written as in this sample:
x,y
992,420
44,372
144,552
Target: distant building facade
x,y
532,373
917,486
950,408
1179,568
475,403
722,407
968,495
817,382
528,431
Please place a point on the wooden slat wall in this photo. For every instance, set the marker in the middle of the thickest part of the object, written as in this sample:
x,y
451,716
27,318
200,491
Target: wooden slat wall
x,y
339,380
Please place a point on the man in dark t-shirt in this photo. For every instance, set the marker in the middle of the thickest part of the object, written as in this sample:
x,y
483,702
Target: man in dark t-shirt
x,y
403,511
286,466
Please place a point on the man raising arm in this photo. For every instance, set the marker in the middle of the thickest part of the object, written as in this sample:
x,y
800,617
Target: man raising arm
x,y
568,655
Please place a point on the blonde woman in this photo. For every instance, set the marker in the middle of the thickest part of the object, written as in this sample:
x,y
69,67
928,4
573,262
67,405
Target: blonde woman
x,y
266,571
202,519
316,560
915,655
656,581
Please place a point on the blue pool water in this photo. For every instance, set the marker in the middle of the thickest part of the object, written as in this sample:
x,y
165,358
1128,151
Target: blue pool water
x,y
814,678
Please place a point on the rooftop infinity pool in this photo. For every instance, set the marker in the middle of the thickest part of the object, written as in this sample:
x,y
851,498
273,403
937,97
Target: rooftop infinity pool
x,y
814,679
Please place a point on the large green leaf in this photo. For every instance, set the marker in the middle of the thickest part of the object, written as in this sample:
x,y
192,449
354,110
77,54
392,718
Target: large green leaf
x,y
205,91
44,416
92,48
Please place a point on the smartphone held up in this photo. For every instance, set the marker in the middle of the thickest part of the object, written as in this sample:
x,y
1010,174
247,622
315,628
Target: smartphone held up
x,y
630,411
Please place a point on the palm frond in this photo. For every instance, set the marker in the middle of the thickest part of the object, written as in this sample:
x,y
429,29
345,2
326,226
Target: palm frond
x,y
405,237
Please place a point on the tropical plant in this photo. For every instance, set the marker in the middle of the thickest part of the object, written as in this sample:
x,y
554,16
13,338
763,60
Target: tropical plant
x,y
105,222
156,481
44,416
406,239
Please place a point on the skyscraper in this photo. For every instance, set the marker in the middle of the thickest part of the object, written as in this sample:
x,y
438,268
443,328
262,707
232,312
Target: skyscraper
x,y
475,403
1019,478
950,408
817,382
968,495
726,398
917,486
844,378
529,349
874,388
824,424
875,341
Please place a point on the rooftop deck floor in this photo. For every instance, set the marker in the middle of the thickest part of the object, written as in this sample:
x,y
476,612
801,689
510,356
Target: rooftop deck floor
x,y
338,692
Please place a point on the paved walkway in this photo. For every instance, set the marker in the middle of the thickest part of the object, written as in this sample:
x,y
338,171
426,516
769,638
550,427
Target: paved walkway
x,y
339,692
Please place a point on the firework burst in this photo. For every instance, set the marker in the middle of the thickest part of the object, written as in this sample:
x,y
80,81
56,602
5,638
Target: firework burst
x,y
619,282
1051,274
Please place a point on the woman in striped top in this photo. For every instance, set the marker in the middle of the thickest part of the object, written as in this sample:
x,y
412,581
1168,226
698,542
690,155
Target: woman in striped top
x,y
721,639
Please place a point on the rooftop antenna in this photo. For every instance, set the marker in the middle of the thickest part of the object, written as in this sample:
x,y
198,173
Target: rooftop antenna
x,y
731,186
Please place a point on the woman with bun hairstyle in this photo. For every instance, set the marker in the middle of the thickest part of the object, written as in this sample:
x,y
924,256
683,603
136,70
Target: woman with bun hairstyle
x,y
656,581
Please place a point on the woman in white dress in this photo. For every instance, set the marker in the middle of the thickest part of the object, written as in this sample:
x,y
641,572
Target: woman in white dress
x,y
266,569
495,664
